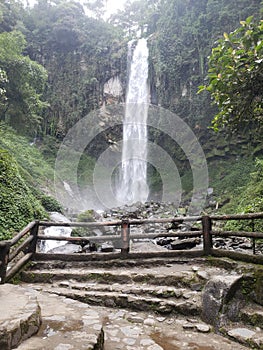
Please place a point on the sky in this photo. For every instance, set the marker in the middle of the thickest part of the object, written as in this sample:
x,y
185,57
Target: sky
x,y
112,5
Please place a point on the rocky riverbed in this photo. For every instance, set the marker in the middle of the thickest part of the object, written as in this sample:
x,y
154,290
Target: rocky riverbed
x,y
149,210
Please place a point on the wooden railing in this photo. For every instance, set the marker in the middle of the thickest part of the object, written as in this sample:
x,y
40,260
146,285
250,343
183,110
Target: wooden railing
x,y
15,253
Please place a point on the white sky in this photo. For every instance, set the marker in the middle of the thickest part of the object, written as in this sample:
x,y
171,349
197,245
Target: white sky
x,y
112,5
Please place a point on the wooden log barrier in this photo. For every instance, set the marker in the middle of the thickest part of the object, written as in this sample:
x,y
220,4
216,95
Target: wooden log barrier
x,y
125,237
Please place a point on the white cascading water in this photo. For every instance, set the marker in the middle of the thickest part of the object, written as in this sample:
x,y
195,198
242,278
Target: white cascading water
x,y
48,245
133,178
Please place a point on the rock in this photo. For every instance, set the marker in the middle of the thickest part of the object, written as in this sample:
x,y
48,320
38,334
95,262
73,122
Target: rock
x,y
245,246
187,243
149,322
170,321
145,342
203,275
202,328
219,291
135,319
241,333
163,241
188,295
19,322
188,325
195,268
107,247
90,247
178,293
68,248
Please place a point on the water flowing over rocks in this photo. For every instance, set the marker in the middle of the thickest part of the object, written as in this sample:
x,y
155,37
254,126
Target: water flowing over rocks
x,y
46,246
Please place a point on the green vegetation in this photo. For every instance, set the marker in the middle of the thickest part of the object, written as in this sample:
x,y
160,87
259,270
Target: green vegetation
x,y
32,164
248,198
17,204
236,77
25,177
22,83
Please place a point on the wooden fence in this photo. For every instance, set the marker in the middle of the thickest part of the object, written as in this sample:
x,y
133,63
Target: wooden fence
x,y
15,253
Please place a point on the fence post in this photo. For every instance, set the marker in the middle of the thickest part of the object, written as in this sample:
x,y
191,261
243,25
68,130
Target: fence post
x,y
34,233
253,238
125,237
207,237
4,257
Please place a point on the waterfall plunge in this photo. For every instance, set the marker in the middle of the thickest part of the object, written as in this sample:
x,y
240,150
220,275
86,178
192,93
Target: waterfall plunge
x,y
133,178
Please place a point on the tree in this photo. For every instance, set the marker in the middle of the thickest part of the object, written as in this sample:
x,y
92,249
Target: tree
x,y
22,83
235,77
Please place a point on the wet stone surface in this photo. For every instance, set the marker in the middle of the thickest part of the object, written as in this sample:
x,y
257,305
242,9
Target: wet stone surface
x,y
69,324
20,316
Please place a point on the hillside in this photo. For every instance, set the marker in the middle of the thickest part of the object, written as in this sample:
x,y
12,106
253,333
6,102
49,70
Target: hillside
x,y
26,180
60,63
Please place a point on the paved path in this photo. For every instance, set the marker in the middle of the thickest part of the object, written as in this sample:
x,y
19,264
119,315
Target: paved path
x,y
72,325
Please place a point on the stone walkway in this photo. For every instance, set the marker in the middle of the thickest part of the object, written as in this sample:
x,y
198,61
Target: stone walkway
x,y
71,325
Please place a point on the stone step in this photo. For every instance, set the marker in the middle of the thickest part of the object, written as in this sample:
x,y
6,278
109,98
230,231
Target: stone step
x,y
188,304
20,316
252,314
142,289
94,261
66,324
176,275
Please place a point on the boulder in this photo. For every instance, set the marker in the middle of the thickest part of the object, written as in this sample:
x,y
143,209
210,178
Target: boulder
x,y
107,247
220,299
181,244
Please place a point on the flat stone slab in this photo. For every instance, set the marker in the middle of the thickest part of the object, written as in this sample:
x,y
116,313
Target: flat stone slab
x,y
66,325
20,315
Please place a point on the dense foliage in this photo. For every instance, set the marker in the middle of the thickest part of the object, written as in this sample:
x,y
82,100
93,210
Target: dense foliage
x,y
181,41
249,199
80,53
236,77
18,206
22,83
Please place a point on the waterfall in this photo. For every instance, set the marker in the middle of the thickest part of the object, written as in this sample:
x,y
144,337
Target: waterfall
x,y
133,175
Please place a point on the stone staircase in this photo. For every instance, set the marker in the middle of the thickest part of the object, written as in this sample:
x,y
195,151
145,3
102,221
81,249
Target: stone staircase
x,y
151,304
169,288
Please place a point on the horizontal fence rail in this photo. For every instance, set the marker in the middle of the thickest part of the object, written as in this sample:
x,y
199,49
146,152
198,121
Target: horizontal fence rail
x,y
15,253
